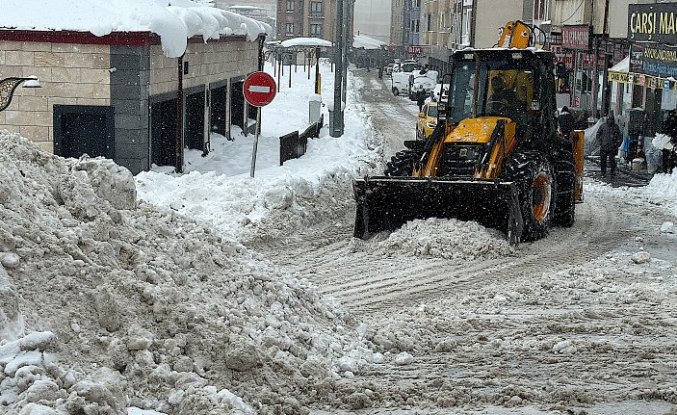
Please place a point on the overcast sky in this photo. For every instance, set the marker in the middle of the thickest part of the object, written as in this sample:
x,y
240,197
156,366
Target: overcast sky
x,y
372,18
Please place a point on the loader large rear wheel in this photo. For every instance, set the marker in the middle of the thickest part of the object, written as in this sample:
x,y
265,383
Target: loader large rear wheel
x,y
537,189
402,163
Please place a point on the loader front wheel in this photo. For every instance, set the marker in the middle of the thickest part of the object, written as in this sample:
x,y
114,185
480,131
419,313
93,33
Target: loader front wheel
x,y
402,163
537,190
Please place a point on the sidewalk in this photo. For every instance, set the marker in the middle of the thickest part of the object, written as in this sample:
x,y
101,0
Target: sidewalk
x,y
625,176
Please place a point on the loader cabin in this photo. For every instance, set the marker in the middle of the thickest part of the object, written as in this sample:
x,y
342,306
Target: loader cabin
x,y
512,83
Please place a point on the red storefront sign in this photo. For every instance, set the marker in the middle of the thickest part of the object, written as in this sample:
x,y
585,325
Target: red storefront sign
x,y
577,37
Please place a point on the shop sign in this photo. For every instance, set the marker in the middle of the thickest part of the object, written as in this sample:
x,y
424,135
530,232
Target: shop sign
x,y
621,77
567,57
414,50
659,60
636,52
653,22
577,37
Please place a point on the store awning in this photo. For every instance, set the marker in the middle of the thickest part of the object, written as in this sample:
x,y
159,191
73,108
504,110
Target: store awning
x,y
622,66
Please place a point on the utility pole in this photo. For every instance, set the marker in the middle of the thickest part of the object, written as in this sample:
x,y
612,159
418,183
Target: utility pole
x,y
337,123
344,57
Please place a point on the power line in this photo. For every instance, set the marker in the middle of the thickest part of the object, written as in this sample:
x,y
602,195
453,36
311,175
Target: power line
x,y
575,11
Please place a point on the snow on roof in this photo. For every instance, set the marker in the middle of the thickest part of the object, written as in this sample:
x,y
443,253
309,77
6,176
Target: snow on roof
x,y
622,66
367,42
175,21
245,8
306,41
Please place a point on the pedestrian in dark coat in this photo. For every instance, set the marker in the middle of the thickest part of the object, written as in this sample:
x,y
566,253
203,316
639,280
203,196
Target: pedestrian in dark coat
x,y
609,138
420,99
670,155
566,122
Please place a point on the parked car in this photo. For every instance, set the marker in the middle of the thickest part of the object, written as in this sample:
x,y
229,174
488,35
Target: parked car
x,y
401,77
427,120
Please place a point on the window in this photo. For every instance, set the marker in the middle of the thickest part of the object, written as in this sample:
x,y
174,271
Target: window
x,y
315,30
430,22
418,26
290,6
290,28
316,9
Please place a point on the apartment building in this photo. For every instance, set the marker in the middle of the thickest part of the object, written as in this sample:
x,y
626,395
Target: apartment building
x,y
414,22
436,20
399,28
313,18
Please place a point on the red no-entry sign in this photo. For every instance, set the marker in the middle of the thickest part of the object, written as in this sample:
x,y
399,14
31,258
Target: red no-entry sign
x,y
259,89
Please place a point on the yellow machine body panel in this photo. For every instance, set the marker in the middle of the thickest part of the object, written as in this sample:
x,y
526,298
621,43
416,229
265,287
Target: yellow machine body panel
x,y
514,35
578,144
479,130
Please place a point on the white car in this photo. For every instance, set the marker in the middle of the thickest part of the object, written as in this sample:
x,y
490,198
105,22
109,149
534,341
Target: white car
x,y
400,77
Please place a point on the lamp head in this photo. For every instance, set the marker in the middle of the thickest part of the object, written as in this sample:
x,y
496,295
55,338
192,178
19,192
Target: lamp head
x,y
32,82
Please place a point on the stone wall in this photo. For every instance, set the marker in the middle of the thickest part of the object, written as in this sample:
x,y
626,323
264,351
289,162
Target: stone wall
x,y
207,62
70,74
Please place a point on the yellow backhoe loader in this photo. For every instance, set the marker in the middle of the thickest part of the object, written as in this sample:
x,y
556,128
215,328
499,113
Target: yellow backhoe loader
x,y
495,157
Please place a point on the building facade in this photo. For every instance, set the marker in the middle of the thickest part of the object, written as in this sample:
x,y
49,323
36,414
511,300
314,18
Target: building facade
x,y
414,23
313,18
643,89
118,96
398,24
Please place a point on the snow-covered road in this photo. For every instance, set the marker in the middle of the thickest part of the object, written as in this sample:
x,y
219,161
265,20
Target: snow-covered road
x,y
567,324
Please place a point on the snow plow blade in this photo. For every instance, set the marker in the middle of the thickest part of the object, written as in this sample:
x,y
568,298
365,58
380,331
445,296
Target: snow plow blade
x,y
386,203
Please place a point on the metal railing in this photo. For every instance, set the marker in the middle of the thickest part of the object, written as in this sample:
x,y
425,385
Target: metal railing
x,y
294,144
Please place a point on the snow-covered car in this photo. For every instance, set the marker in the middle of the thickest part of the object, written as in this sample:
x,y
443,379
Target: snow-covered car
x,y
422,80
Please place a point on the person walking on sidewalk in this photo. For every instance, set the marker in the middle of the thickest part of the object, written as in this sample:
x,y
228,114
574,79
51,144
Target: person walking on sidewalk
x,y
566,123
609,138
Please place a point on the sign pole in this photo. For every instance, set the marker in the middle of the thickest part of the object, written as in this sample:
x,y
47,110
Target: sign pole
x,y
256,142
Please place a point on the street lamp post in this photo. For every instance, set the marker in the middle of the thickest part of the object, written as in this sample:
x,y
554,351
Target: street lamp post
x,y
9,85
337,122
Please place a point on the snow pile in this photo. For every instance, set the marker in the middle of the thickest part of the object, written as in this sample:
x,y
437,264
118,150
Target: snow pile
x,y
367,42
663,142
174,21
442,238
663,190
146,309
